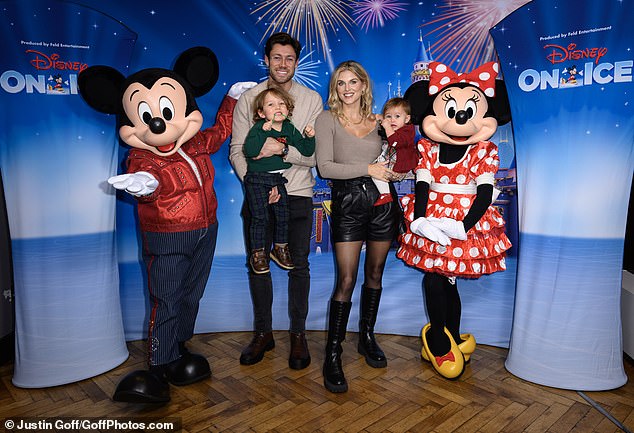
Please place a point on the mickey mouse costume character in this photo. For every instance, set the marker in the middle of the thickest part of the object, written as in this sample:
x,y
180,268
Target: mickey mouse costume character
x,y
171,175
452,229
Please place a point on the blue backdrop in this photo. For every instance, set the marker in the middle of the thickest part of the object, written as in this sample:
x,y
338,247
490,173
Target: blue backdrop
x,y
388,48
55,156
388,40
568,69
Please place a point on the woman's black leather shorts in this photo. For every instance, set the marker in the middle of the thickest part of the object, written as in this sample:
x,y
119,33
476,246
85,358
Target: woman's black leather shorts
x,y
354,216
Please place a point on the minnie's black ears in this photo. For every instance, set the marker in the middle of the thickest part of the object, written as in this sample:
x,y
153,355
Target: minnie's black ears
x,y
500,106
419,100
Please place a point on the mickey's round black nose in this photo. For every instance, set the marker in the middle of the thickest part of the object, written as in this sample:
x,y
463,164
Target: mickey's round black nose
x,y
157,125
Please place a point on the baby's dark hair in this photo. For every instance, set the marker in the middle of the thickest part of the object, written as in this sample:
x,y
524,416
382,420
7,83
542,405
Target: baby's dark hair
x,y
258,103
397,102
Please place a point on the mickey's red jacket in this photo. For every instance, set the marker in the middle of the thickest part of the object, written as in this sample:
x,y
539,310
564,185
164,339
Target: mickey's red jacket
x,y
183,201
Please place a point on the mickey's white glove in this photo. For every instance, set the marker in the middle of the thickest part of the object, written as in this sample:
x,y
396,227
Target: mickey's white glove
x,y
138,184
239,88
451,227
422,227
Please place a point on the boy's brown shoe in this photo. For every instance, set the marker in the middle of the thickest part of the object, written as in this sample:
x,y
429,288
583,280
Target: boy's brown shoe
x,y
282,256
259,262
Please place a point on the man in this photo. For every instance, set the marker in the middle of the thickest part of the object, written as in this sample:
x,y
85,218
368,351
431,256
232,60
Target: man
x,y
281,57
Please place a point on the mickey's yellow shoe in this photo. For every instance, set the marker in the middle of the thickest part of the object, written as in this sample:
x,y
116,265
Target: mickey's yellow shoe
x,y
467,347
450,365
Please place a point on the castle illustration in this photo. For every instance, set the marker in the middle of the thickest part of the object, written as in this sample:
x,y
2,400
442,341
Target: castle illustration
x,y
421,65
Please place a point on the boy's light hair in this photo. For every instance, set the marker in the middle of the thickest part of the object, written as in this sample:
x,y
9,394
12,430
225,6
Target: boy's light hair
x,y
258,102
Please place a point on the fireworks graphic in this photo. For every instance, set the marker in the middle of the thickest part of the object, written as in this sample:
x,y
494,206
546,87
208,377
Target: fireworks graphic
x,y
374,13
313,18
305,73
462,31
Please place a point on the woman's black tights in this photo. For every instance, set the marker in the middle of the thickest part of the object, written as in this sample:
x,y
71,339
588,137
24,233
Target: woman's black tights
x,y
348,255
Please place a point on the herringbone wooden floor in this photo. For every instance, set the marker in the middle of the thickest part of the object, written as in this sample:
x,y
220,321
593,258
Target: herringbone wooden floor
x,y
407,396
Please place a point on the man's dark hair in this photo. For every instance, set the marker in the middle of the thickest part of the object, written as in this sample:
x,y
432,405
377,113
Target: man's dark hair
x,y
282,39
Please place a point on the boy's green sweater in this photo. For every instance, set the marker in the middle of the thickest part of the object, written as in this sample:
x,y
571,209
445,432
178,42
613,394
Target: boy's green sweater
x,y
289,135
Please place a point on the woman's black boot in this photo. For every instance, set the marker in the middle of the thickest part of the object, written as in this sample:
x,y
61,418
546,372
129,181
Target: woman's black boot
x,y
334,380
368,346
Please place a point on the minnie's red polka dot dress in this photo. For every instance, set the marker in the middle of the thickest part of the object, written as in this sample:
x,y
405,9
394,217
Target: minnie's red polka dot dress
x,y
452,191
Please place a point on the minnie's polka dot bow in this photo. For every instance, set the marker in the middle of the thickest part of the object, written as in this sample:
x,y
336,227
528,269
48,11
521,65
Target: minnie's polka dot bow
x,y
483,78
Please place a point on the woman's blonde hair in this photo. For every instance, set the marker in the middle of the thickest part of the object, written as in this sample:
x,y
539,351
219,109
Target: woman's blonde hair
x,y
258,102
334,103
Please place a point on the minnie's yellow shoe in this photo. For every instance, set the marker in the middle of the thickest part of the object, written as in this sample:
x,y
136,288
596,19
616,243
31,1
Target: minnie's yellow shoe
x,y
467,347
423,354
450,365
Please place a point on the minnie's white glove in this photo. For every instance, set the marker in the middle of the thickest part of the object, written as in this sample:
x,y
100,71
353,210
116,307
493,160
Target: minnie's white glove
x,y
239,88
422,227
451,227
138,184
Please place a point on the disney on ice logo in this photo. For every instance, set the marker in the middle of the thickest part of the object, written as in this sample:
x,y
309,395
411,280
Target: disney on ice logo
x,y
41,61
62,79
559,54
575,74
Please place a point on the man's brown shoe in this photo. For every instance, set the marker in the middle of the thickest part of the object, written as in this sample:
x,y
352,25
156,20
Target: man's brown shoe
x,y
254,352
259,262
299,358
282,256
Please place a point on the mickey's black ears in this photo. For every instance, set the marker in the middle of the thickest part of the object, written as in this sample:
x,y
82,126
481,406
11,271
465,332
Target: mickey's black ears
x,y
419,100
101,86
199,67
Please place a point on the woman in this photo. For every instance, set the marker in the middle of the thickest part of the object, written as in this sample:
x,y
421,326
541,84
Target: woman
x,y
347,144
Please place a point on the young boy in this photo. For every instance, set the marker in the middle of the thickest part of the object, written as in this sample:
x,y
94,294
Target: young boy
x,y
400,150
272,109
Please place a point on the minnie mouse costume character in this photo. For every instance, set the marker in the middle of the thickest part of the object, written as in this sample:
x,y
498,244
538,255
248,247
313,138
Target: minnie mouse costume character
x,y
171,175
452,229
